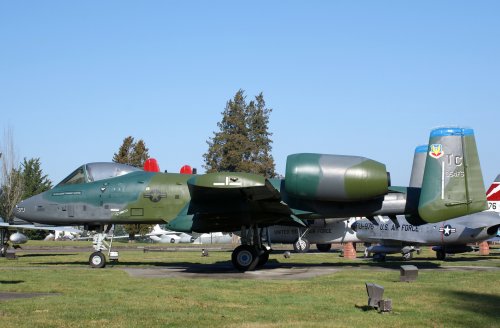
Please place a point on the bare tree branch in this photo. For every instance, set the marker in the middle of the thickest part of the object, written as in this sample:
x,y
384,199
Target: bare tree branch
x,y
11,179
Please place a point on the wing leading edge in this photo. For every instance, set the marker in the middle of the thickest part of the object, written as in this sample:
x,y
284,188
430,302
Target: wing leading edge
x,y
227,201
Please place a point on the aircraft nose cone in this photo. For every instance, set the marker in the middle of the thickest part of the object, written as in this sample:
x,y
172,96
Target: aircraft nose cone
x,y
21,210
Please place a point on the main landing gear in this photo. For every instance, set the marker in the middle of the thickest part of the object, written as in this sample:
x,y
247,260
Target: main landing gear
x,y
4,242
251,254
99,243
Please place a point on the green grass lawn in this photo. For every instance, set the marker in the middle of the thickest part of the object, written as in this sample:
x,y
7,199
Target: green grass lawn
x,y
110,297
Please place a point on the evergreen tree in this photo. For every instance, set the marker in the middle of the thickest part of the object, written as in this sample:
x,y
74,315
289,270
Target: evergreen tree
x,y
257,116
132,153
123,155
243,143
34,182
135,154
229,148
139,154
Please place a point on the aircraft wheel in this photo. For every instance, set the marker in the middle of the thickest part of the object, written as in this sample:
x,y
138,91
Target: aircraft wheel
x,y
244,257
379,257
301,245
407,256
324,247
263,258
440,255
172,240
3,251
97,260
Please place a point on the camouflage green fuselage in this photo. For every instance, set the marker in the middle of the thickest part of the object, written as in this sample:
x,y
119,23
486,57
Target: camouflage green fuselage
x,y
138,197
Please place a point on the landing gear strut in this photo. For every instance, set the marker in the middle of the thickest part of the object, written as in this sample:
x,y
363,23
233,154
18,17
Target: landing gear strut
x,y
4,243
99,243
301,245
251,253
441,255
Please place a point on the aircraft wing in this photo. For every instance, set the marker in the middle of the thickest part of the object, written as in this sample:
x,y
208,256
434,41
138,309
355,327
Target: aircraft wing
x,y
228,201
35,227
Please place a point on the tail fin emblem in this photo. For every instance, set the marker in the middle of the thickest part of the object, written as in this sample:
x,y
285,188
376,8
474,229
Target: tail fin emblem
x,y
436,150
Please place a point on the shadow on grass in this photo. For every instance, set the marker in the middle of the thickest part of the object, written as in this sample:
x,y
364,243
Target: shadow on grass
x,y
227,266
46,255
364,307
485,304
276,262
11,282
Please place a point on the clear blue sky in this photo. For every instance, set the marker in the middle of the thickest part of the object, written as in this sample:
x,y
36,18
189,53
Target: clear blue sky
x,y
368,78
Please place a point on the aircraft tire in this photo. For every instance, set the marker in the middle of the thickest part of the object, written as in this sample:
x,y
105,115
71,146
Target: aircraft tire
x,y
407,256
97,260
244,258
324,247
441,255
263,258
301,245
379,257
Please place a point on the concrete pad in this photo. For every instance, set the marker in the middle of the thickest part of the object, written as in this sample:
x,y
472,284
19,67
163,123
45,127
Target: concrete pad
x,y
217,271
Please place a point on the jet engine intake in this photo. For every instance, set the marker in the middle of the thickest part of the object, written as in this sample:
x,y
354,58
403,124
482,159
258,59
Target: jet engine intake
x,y
494,230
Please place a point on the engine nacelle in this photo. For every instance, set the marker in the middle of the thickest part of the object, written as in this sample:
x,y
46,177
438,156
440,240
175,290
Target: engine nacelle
x,y
335,177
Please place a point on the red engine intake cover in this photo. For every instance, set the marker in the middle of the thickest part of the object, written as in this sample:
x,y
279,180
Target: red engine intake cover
x,y
186,169
151,165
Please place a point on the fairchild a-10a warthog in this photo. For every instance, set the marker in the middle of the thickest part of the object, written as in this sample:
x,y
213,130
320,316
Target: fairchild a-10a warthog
x,y
315,187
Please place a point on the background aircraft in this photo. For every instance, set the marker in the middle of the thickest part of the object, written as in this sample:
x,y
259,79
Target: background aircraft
x,y
159,235
321,232
447,237
315,186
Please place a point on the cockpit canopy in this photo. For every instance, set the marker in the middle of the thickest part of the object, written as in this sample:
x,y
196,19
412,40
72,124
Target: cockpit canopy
x,y
97,171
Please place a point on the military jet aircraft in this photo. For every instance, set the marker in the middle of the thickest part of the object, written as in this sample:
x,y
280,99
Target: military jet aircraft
x,y
315,186
448,237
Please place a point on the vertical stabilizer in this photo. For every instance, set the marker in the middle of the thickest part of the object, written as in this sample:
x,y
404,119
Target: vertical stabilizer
x,y
493,193
453,184
417,169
